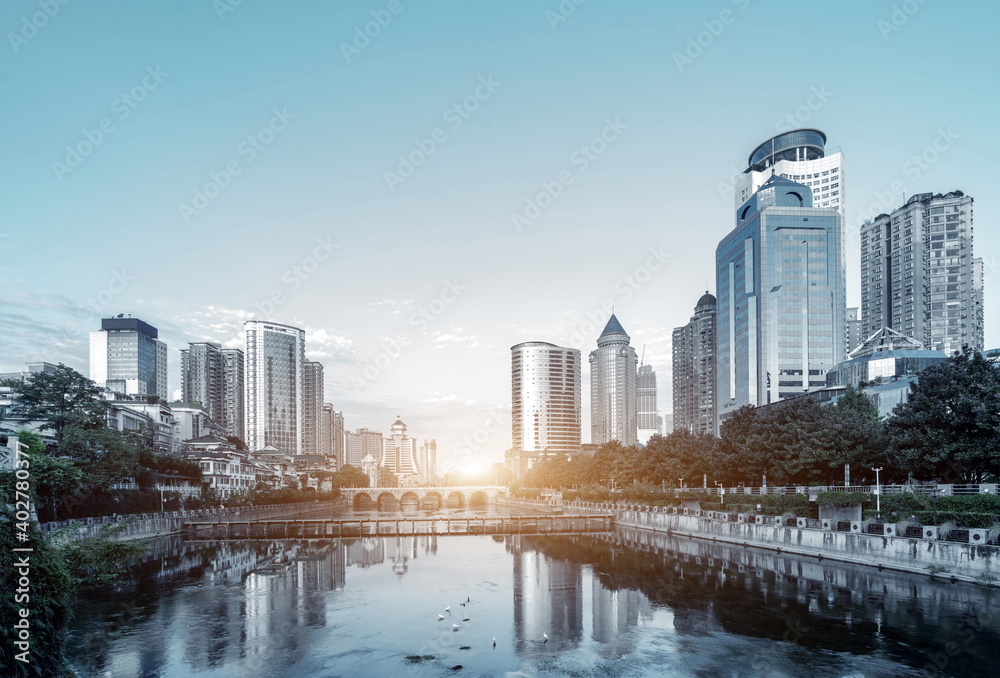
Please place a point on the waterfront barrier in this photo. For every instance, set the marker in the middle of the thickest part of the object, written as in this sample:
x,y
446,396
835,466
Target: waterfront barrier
x,y
333,528
944,551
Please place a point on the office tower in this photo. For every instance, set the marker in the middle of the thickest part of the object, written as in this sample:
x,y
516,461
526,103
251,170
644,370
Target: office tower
x,y
853,328
362,443
312,407
918,275
428,455
545,399
694,382
645,387
781,290
126,356
274,374
399,452
201,377
799,155
613,414
233,391
333,434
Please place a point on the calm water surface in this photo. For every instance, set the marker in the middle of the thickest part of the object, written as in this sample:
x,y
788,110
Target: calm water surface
x,y
627,603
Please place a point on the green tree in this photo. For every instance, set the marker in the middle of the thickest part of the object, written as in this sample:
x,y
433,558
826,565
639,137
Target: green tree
x,y
60,399
350,476
949,427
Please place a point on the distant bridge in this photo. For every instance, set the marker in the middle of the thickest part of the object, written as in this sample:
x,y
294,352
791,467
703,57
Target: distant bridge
x,y
420,498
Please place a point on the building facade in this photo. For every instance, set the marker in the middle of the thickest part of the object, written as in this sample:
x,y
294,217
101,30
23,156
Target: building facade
x,y
781,284
275,355
312,408
613,408
126,356
645,387
360,444
233,390
694,382
799,155
399,453
853,328
332,444
545,402
919,276
202,375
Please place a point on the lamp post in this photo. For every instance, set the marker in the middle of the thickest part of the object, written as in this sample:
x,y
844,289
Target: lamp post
x,y
722,492
878,493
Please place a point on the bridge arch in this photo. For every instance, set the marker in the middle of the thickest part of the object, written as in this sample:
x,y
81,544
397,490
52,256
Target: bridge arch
x,y
479,500
431,501
363,502
387,502
409,502
456,500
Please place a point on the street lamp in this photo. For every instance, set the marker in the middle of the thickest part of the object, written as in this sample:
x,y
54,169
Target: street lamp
x,y
722,492
878,493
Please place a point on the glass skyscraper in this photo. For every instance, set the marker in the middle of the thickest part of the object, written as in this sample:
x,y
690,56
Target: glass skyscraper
x,y
274,385
645,385
613,407
781,285
126,356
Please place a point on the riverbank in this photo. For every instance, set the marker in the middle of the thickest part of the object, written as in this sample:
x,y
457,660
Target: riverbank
x,y
972,563
163,524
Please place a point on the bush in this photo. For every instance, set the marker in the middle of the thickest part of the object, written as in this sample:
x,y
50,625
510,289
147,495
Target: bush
x,y
966,520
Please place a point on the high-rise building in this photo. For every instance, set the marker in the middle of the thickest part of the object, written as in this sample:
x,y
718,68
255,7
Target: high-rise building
x,y
233,391
781,285
918,275
362,443
428,456
312,407
126,356
694,396
333,434
274,388
799,155
853,328
645,386
399,453
202,377
545,402
613,413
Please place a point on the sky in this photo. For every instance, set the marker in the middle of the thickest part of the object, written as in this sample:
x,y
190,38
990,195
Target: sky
x,y
422,185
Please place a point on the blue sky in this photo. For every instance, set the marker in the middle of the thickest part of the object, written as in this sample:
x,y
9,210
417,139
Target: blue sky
x,y
429,282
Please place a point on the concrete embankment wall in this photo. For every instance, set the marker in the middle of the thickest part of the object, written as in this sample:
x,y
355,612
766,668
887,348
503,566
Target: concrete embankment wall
x,y
945,559
158,525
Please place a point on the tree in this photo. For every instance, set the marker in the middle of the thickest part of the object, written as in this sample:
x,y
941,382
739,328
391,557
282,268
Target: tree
x,y
240,445
949,426
60,399
349,476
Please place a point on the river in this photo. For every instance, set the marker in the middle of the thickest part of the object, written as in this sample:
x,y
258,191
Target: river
x,y
622,603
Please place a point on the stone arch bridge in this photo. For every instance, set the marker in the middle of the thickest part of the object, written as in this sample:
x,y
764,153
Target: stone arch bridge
x,y
417,498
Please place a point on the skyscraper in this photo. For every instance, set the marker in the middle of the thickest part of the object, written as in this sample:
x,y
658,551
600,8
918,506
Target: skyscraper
x,y
362,443
333,434
428,456
274,388
312,407
918,275
799,155
694,395
126,356
202,377
233,391
645,385
545,402
781,297
853,329
613,413
399,453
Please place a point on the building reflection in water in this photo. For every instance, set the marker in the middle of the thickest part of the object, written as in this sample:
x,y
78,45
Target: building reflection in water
x,y
548,600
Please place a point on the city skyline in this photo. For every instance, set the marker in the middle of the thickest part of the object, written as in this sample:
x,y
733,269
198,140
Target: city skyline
x,y
312,227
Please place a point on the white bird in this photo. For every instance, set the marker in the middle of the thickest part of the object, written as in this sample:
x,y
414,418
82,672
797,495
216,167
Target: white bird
x,y
455,627
440,617
448,609
546,637
494,642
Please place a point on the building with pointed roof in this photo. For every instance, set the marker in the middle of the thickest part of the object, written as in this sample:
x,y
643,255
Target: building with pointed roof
x,y
613,395
399,453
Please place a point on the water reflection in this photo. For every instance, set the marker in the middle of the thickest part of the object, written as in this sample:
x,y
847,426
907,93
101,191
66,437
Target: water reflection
x,y
647,603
